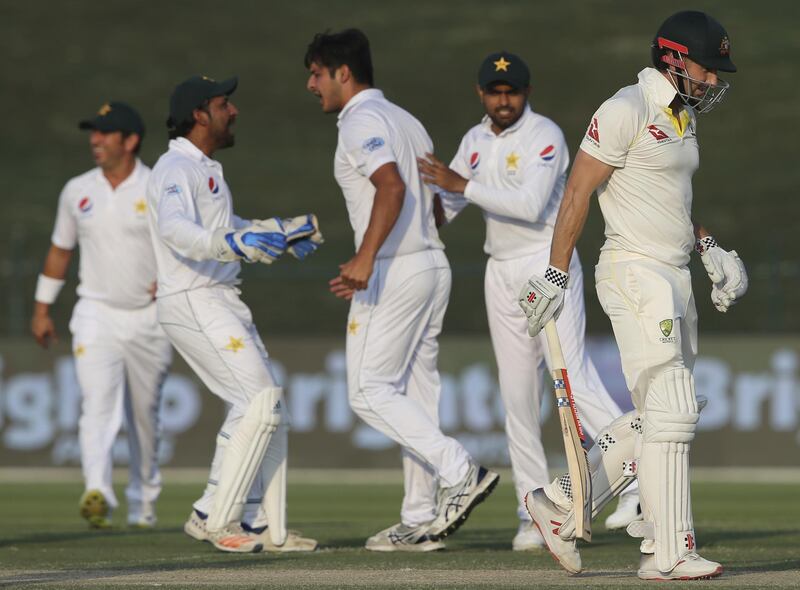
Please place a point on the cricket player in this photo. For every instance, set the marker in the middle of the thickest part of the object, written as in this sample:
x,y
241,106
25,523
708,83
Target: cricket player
x,y
121,353
513,165
398,283
199,243
640,153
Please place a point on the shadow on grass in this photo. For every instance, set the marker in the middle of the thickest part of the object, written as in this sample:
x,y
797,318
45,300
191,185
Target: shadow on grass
x,y
84,535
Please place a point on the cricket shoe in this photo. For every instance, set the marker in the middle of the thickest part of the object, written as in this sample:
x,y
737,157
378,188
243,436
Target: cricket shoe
x,y
233,539
690,567
400,537
141,515
456,502
628,511
528,538
548,518
95,509
195,525
294,541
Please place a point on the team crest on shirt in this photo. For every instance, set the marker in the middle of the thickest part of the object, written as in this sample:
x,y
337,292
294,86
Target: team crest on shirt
x,y
213,185
474,160
548,153
85,205
172,190
593,133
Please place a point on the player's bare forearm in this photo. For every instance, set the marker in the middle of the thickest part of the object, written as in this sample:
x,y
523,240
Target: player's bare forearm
x,y
386,207
587,174
57,262
700,231
55,267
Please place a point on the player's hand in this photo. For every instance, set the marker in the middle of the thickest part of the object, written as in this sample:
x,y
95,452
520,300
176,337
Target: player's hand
x,y
338,288
303,235
434,171
42,327
542,298
726,271
356,272
264,241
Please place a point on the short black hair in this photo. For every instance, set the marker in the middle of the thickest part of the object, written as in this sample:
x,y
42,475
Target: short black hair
x,y
333,50
182,128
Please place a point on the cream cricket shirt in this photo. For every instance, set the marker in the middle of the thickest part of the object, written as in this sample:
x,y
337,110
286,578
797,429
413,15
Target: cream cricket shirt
x,y
374,132
189,199
517,178
117,265
647,201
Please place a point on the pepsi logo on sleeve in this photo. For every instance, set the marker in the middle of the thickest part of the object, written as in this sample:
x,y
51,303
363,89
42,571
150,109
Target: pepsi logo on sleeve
x,y
474,160
548,153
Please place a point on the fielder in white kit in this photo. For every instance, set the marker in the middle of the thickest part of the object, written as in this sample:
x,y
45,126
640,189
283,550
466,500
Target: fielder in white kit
x,y
121,353
513,166
399,284
640,153
199,243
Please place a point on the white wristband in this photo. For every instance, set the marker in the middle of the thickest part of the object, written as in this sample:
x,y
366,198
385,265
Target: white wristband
x,y
47,289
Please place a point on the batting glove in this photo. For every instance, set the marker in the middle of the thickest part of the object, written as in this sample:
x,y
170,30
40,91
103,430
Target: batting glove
x,y
726,271
542,298
264,242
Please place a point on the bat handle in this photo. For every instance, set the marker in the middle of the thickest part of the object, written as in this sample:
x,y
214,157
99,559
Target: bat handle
x,y
554,344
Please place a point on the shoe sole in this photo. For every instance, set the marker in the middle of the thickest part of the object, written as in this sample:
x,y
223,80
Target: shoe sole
x,y
550,551
256,548
436,546
484,489
716,573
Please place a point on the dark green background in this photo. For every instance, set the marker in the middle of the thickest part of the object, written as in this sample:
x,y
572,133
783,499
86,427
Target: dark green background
x,y
62,60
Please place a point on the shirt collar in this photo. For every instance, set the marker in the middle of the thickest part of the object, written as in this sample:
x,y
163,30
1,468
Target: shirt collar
x,y
186,147
364,95
487,123
657,87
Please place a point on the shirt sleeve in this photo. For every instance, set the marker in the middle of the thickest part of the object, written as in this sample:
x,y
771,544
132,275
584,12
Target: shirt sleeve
x,y
541,166
366,142
240,222
177,218
65,232
611,132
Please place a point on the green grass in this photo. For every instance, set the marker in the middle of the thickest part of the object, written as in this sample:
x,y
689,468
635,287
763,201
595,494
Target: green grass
x,y
747,527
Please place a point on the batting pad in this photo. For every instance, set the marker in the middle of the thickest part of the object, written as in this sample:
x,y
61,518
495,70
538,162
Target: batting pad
x,y
243,457
273,470
670,421
612,464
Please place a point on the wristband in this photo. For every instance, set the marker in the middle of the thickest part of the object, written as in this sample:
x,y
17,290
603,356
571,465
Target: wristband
x,y
47,289
705,244
558,277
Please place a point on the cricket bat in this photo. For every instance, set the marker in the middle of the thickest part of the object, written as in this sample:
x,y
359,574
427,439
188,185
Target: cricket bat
x,y
574,438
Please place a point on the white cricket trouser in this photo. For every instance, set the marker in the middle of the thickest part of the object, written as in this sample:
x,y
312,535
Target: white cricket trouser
x,y
521,362
638,293
392,374
213,331
121,359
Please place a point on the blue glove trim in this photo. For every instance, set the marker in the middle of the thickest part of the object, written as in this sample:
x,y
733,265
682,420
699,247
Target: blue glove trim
x,y
266,241
234,246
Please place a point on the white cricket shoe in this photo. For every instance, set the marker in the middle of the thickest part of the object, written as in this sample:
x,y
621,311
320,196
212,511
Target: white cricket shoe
x,y
141,515
528,538
691,567
195,526
548,518
294,541
455,503
95,509
233,539
400,537
628,511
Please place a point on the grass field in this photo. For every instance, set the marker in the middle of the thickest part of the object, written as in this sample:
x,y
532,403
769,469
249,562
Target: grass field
x,y
752,528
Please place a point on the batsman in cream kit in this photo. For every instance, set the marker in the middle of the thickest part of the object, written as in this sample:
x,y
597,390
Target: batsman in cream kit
x,y
640,153
199,243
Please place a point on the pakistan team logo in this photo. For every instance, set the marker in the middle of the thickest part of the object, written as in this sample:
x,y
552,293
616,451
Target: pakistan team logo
x,y
666,327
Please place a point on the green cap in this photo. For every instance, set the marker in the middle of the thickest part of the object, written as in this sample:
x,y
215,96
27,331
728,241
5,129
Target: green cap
x,y
115,116
192,93
506,68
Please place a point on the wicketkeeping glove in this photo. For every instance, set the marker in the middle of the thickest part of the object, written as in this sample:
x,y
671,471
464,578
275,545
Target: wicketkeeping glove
x,y
264,241
726,271
542,298
303,235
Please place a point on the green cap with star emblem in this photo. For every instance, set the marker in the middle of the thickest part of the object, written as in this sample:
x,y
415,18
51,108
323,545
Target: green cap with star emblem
x,y
115,116
504,68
